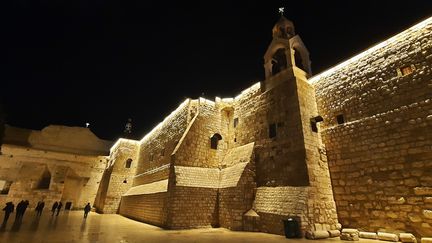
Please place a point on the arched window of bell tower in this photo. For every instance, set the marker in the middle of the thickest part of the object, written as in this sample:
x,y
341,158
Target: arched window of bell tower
x,y
279,61
299,60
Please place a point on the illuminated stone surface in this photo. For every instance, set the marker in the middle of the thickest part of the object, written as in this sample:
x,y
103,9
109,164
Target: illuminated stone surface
x,y
70,227
352,144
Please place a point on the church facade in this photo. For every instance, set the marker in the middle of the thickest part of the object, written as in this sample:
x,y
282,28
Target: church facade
x,y
350,147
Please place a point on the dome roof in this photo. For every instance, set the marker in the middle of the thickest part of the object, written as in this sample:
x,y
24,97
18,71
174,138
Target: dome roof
x,y
284,28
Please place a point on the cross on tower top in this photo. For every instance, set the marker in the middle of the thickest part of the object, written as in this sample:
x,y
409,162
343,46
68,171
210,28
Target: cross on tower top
x,y
281,11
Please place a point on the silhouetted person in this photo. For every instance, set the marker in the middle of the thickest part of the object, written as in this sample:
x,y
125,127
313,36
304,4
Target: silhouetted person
x,y
60,205
8,210
39,208
54,207
19,210
87,209
25,205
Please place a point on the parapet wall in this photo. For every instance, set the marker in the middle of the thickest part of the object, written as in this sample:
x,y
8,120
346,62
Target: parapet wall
x,y
380,157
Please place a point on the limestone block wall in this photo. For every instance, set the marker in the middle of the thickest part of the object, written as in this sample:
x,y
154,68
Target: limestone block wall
x,y
24,166
194,149
283,154
148,208
194,200
321,205
290,164
157,146
154,159
380,158
234,202
120,176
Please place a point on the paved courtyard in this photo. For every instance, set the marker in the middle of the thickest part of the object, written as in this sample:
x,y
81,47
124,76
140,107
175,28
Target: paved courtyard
x,y
71,227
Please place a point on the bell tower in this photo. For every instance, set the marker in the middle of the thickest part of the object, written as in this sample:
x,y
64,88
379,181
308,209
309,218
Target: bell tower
x,y
286,53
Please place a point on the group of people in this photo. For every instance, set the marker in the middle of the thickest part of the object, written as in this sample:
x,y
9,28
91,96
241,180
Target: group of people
x,y
56,206
20,210
22,206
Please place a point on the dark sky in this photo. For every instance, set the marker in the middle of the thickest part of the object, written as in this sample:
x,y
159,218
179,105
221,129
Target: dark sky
x,y
71,62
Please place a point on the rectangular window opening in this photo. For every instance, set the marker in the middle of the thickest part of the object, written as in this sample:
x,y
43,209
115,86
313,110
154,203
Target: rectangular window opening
x,y
406,70
272,130
236,120
340,119
4,187
314,126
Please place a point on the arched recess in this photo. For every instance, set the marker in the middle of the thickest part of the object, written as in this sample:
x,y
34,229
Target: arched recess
x,y
300,55
298,60
279,61
45,180
214,140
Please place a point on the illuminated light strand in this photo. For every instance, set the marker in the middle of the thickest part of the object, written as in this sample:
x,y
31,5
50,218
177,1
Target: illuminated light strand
x,y
200,99
248,90
372,49
158,126
123,140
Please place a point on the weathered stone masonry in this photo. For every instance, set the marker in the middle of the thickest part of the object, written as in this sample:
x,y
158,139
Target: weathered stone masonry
x,y
380,158
56,164
356,138
243,163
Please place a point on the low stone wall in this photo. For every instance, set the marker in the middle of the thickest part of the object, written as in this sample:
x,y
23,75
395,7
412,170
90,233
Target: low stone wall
x,y
192,207
148,208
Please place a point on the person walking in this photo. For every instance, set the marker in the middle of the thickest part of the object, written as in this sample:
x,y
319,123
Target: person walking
x,y
25,205
60,205
19,209
8,210
39,208
54,207
87,209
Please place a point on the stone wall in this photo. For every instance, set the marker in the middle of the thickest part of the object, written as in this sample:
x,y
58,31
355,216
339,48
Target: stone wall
x,y
234,202
290,162
283,154
24,168
380,158
157,146
118,177
148,208
153,166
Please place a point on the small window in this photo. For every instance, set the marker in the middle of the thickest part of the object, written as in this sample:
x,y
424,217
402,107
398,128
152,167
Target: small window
x,y
162,152
235,140
128,163
4,187
314,126
404,71
272,130
314,122
151,157
235,122
214,140
340,119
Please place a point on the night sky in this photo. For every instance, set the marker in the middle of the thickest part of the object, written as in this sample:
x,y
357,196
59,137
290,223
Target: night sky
x,y
72,62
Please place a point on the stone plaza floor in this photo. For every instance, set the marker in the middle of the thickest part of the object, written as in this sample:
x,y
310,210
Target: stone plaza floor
x,y
71,227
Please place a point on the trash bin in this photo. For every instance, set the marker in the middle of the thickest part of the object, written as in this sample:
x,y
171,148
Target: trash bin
x,y
292,227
